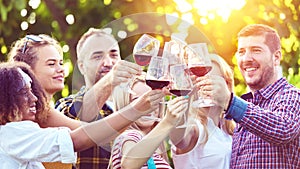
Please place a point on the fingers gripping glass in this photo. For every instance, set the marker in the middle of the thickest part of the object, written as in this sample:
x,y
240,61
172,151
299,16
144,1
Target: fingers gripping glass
x,y
33,38
181,85
199,64
146,47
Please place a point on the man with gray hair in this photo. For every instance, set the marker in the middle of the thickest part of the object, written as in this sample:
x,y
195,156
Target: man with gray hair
x,y
99,62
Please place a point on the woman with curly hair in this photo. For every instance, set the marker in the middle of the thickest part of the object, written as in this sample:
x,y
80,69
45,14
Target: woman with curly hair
x,y
24,144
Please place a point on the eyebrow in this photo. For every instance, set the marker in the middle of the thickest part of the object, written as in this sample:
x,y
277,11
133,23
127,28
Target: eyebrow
x,y
101,52
97,52
113,50
54,60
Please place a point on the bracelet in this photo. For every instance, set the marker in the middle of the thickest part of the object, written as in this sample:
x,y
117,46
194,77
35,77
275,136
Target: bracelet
x,y
231,97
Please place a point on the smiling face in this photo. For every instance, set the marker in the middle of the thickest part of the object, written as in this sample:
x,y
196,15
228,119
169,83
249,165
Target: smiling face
x,y
97,57
28,109
49,69
141,88
256,62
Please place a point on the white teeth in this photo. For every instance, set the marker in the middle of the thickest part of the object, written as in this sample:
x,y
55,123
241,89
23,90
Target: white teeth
x,y
250,69
32,109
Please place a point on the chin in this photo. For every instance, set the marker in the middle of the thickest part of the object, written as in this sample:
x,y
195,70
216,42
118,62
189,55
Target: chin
x,y
59,88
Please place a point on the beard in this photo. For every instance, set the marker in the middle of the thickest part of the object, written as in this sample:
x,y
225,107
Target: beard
x,y
262,79
102,72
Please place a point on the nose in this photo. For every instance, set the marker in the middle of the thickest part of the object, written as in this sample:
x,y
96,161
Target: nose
x,y
248,56
107,60
32,97
60,68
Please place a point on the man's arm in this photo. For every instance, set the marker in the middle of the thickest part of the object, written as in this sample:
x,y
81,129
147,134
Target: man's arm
x,y
96,96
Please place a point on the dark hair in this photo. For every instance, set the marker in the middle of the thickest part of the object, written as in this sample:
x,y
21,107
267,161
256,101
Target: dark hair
x,y
272,39
28,54
11,81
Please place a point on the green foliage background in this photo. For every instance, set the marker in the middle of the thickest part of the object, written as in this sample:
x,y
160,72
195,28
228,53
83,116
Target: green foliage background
x,y
49,17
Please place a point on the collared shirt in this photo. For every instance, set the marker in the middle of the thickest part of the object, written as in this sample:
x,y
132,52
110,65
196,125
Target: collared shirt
x,y
95,157
268,130
24,145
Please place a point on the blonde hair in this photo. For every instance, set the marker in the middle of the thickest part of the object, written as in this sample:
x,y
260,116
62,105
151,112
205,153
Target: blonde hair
x,y
227,74
121,98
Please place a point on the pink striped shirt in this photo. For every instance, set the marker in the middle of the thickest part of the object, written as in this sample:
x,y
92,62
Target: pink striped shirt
x,y
136,136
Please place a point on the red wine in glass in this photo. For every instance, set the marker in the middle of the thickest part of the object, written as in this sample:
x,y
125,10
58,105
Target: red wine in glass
x,y
142,59
157,84
179,92
200,70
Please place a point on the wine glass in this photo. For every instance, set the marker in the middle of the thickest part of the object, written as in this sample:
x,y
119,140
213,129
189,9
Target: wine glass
x,y
199,64
181,84
146,47
173,50
157,74
157,77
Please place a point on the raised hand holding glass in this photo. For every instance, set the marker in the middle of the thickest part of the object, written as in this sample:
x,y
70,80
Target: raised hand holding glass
x,y
199,64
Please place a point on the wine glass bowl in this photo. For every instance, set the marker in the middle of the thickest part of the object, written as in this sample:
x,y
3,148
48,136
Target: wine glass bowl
x,y
146,47
198,61
181,83
199,64
157,74
173,50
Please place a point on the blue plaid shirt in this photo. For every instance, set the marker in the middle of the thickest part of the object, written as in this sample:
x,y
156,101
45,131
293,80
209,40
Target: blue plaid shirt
x,y
268,130
95,157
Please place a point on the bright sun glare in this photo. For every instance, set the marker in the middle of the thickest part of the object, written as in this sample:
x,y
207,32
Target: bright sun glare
x,y
210,8
207,10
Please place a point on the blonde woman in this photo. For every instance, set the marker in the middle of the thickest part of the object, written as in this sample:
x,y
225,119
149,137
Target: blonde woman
x,y
140,145
206,142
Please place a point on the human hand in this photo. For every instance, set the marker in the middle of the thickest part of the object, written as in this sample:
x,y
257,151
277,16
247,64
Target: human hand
x,y
122,71
175,110
215,88
148,102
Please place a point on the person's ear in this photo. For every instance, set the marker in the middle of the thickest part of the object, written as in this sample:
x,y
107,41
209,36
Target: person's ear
x,y
81,67
277,57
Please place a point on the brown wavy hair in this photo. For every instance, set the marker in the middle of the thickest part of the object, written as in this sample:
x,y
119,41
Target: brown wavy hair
x,y
11,81
272,39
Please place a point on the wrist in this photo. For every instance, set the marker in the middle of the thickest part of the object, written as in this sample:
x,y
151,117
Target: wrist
x,y
228,103
130,113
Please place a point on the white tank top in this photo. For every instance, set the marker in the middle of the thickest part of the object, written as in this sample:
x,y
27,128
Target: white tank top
x,y
215,154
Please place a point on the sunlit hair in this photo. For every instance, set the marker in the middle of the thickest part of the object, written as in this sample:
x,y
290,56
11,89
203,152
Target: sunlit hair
x,y
227,74
272,39
85,36
121,98
12,101
29,55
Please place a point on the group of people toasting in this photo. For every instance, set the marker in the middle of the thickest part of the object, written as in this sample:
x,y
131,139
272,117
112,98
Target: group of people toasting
x,y
116,119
